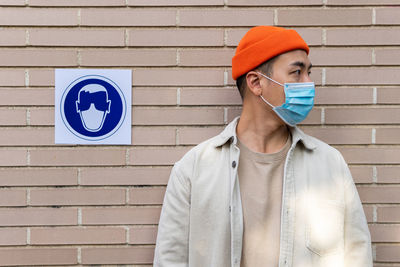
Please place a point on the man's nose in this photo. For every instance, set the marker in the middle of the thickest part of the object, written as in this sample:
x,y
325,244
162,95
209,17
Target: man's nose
x,y
306,78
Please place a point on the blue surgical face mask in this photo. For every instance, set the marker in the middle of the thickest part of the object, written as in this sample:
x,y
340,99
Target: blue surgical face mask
x,y
299,100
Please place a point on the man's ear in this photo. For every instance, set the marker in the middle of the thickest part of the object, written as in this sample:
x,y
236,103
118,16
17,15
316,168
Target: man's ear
x,y
253,83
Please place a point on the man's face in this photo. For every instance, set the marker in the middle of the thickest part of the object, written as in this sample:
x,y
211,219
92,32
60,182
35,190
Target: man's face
x,y
290,67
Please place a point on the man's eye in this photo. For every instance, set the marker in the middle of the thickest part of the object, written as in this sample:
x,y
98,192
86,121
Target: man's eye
x,y
296,72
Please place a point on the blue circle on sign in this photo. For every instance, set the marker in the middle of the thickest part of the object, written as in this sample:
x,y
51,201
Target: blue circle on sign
x,y
93,107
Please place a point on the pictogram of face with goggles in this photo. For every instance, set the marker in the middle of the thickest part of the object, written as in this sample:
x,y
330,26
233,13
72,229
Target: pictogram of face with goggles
x,y
93,106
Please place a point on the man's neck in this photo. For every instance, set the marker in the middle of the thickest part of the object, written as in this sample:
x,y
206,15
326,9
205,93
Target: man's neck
x,y
262,134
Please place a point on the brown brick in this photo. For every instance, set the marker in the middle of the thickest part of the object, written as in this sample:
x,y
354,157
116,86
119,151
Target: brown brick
x,y
153,136
154,96
127,17
388,136
76,37
385,233
310,35
176,37
340,56
146,195
206,57
379,194
12,236
35,57
38,256
26,97
177,116
231,81
362,2
81,196
316,76
14,37
314,117
78,157
388,56
131,215
142,235
41,77
388,253
367,36
175,3
343,95
232,113
214,96
68,235
233,36
12,197
156,156
388,174
38,216
368,210
38,177
388,95
42,117
12,117
12,77
69,3
377,155
362,76
362,174
12,2
317,17
178,77
115,255
38,17
225,17
362,115
387,16
390,214
125,176
26,136
129,57
13,157
275,3
341,135
385,265
195,135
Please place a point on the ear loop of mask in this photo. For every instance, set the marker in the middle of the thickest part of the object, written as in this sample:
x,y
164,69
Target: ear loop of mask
x,y
272,80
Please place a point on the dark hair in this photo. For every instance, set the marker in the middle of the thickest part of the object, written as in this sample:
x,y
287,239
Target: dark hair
x,y
265,68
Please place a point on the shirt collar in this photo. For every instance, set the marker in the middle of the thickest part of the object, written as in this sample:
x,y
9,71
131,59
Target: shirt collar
x,y
229,134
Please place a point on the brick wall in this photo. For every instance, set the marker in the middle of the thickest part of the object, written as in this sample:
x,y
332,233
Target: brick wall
x,y
85,205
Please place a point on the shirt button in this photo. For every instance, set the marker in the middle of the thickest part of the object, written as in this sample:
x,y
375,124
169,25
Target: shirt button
x,y
233,164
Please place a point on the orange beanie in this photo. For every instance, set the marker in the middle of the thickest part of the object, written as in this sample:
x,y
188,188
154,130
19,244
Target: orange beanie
x,y
262,43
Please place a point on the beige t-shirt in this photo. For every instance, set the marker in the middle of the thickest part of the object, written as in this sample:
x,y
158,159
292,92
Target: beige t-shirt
x,y
260,181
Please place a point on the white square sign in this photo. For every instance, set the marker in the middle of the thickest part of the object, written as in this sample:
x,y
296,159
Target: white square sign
x,y
93,106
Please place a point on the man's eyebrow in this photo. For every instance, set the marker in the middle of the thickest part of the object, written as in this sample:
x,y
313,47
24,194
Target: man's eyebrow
x,y
300,64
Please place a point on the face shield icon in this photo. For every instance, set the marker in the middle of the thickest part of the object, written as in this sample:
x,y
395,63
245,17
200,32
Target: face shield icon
x,y
93,106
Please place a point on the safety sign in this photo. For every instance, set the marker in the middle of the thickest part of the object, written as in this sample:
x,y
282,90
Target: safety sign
x,y
93,106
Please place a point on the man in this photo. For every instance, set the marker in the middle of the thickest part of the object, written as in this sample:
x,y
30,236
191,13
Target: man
x,y
263,193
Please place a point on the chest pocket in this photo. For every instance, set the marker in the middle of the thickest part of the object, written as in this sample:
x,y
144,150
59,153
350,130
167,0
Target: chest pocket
x,y
325,227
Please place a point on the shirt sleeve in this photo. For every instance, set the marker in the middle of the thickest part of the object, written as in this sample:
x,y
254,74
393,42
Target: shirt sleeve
x,y
357,239
173,229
